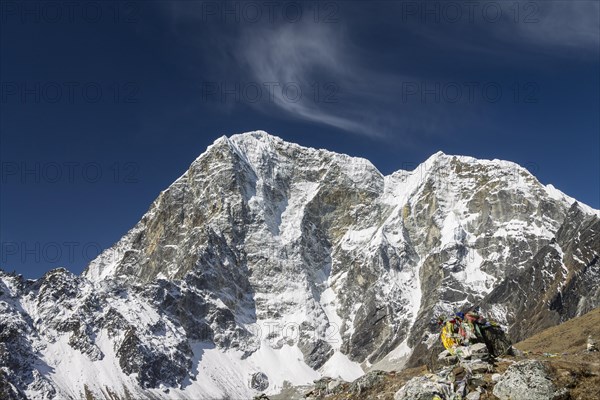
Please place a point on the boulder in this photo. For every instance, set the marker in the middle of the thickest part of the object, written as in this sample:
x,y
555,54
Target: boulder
x,y
440,359
259,381
476,366
446,358
526,380
420,388
473,396
592,345
479,351
463,352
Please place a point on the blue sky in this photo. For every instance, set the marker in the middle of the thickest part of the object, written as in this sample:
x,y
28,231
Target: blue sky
x,y
104,104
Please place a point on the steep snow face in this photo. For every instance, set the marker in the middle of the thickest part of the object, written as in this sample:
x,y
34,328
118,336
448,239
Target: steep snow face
x,y
268,257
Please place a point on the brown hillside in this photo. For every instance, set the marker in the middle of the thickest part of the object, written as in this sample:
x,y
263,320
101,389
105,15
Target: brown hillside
x,y
564,348
568,337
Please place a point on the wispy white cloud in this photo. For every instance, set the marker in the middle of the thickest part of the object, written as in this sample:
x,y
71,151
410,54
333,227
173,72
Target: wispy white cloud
x,y
365,101
314,57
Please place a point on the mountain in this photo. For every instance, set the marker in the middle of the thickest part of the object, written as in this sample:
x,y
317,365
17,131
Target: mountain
x,y
267,262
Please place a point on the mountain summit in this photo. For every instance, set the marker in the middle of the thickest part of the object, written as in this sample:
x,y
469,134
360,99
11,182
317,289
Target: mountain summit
x,y
268,262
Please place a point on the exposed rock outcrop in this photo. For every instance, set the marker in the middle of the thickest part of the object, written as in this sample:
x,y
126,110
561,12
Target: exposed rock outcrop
x,y
527,380
266,250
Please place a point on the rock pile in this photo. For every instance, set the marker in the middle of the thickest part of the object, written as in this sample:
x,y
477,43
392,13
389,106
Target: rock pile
x,y
327,386
367,381
460,377
324,387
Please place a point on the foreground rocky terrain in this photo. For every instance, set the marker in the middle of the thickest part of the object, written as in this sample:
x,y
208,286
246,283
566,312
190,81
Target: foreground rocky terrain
x,y
268,265
551,365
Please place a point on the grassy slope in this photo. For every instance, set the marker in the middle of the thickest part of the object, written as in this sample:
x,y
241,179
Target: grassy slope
x,y
568,337
564,348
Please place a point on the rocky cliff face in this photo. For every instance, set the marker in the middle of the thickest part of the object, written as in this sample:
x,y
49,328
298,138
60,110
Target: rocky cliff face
x,y
273,260
558,283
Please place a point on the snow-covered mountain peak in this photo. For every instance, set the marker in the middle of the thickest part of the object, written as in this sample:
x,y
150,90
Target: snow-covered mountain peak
x,y
438,156
292,262
256,135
